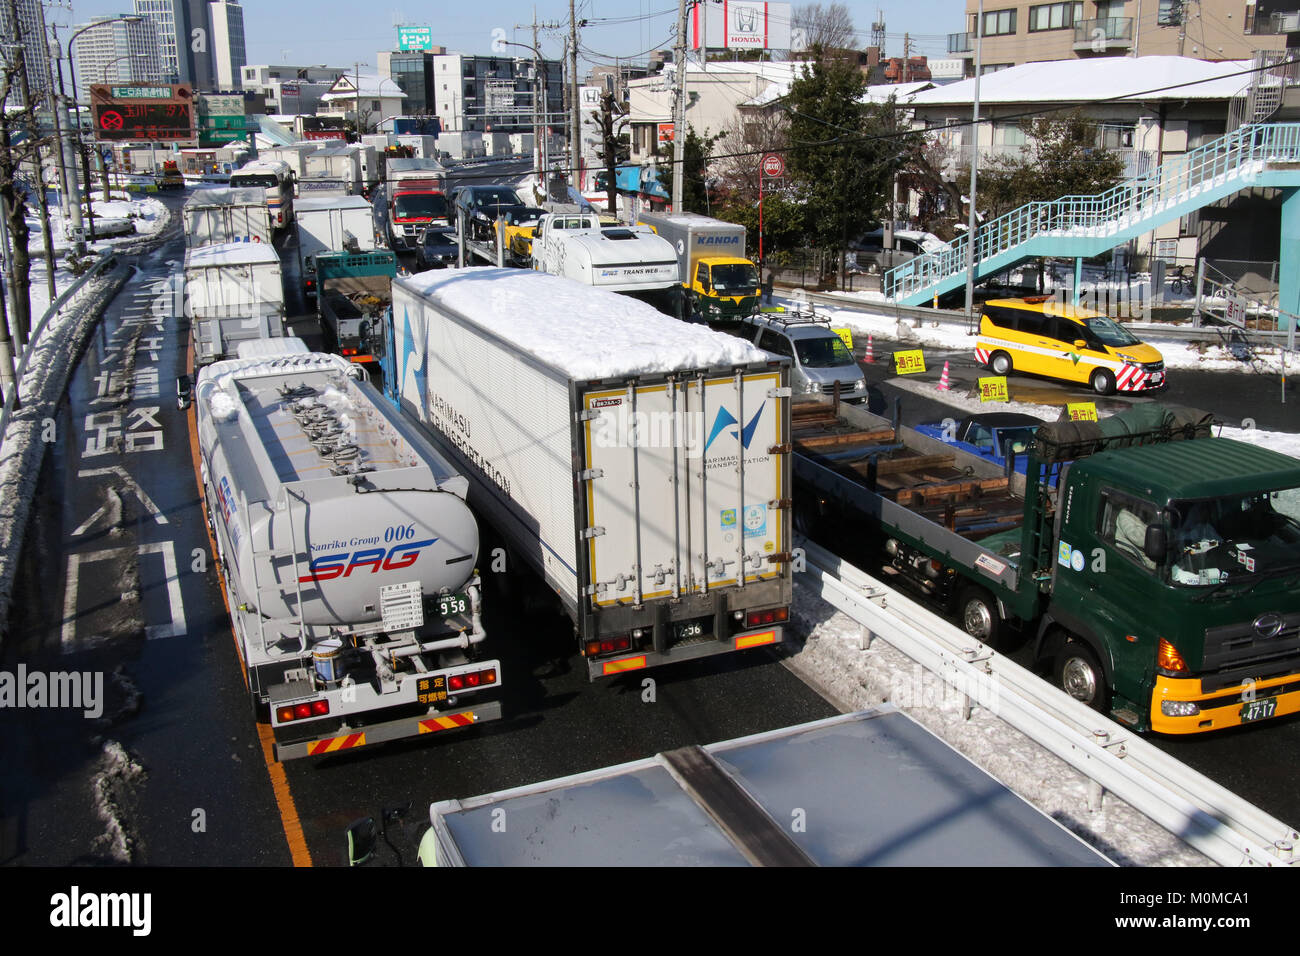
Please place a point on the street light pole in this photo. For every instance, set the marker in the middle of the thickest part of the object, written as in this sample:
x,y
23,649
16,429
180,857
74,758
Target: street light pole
x,y
974,171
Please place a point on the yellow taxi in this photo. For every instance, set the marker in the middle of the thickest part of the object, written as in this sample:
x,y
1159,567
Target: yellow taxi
x,y
1041,336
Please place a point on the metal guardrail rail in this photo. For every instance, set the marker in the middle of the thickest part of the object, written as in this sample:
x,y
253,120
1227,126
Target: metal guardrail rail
x,y
1227,829
13,399
957,320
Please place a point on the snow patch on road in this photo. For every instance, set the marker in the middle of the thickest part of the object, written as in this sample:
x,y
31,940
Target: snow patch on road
x,y
116,779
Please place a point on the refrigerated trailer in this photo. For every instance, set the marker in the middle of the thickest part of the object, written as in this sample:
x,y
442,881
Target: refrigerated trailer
x,y
348,556
234,291
640,465
214,216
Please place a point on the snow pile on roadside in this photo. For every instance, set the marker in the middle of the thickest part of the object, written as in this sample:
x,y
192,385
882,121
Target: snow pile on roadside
x,y
148,214
832,660
114,783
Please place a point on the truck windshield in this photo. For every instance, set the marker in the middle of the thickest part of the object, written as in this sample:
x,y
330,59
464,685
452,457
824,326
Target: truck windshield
x,y
257,181
420,206
735,279
827,352
1111,332
1214,540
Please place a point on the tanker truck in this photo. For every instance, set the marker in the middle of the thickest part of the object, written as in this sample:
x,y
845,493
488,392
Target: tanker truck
x,y
347,553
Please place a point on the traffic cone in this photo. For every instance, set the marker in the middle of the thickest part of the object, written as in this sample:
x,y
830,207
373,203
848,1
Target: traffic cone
x,y
943,385
870,357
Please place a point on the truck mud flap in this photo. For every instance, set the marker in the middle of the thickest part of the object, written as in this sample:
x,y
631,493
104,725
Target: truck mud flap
x,y
340,740
647,658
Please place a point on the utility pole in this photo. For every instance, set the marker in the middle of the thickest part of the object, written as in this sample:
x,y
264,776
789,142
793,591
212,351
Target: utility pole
x,y
974,170
907,57
575,117
679,107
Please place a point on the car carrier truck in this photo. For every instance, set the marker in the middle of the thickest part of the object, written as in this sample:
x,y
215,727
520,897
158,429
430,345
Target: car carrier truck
x,y
637,464
234,291
1154,567
356,292
874,788
214,216
719,283
628,259
348,557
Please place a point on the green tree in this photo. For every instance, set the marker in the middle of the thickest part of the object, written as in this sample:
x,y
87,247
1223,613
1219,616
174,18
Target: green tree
x,y
1061,158
697,154
843,151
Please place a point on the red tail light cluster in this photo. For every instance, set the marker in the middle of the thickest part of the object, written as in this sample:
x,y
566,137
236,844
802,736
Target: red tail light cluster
x,y
348,351
317,708
609,645
773,615
472,680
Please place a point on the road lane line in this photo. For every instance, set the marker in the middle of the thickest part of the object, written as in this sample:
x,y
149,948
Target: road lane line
x,y
122,473
289,819
76,559
177,626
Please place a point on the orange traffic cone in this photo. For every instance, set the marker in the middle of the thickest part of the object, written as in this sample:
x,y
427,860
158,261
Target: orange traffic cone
x,y
943,385
870,357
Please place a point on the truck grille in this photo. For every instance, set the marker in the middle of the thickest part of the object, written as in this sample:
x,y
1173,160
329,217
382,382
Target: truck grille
x,y
1241,645
845,388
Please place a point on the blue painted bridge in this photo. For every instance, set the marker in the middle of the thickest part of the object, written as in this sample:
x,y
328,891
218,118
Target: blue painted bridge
x,y
1266,154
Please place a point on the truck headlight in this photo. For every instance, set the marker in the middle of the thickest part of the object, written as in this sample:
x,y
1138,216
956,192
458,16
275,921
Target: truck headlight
x,y
811,387
1179,708
859,385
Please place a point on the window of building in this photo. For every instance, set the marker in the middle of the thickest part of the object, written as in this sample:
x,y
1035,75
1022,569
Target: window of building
x,y
1109,9
1167,249
1009,134
1054,16
1169,13
999,22
994,67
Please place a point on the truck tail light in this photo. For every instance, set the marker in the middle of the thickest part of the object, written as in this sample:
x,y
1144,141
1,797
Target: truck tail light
x,y
315,708
773,615
473,680
1168,658
608,645
349,351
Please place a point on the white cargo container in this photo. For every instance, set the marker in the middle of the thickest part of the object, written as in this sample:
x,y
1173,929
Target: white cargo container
x,y
639,464
233,292
347,553
331,224
214,216
628,259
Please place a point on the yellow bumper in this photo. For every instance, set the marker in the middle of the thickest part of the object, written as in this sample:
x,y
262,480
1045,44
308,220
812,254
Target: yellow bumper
x,y
1221,708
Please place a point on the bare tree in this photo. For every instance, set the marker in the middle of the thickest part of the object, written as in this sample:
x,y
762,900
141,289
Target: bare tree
x,y
741,148
826,28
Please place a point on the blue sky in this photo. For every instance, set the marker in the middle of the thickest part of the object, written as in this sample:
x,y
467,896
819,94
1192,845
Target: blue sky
x,y
332,32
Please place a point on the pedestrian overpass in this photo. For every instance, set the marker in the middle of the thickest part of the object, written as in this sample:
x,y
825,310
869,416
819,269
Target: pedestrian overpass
x,y
1260,155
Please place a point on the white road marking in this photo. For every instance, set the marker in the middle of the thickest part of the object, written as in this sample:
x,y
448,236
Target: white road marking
x,y
75,561
130,482
177,626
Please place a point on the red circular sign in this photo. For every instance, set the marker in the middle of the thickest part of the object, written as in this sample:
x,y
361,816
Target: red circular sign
x,y
110,119
773,166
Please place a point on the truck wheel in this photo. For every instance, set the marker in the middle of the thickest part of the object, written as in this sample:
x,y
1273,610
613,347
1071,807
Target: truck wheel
x,y
1080,674
1000,363
977,612
1103,383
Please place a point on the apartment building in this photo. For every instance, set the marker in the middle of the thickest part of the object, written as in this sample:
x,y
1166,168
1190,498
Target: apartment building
x,y
111,50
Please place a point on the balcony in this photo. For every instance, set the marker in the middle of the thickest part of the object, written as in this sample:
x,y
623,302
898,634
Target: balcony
x,y
1107,35
959,43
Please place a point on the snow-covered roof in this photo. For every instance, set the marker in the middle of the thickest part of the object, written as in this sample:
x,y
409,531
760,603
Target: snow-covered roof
x,y
876,93
1099,78
376,87
584,332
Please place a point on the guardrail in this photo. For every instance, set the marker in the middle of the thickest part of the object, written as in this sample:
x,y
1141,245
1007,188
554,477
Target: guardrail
x,y
1227,829
957,320
13,400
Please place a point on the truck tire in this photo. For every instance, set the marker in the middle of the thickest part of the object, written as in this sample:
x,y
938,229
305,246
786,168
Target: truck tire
x,y
1000,363
1078,672
1102,382
977,613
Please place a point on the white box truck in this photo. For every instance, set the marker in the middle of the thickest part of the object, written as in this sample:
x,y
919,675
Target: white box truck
x,y
640,465
331,224
719,283
233,292
874,788
214,216
628,259
348,557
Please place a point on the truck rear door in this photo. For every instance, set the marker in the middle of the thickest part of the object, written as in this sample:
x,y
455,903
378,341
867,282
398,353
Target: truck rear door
x,y
682,485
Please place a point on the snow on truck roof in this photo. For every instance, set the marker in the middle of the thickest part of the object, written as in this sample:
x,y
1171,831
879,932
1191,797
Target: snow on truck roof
x,y
584,332
245,195
308,414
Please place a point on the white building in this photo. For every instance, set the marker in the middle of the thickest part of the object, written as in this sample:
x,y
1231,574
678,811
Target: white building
x,y
163,15
291,90
117,51
228,52
376,98
489,94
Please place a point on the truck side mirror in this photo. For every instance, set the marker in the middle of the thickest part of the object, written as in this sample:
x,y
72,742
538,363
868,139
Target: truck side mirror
x,y
1156,544
361,841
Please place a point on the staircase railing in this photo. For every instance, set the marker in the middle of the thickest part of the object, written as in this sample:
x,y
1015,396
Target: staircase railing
x,y
1237,154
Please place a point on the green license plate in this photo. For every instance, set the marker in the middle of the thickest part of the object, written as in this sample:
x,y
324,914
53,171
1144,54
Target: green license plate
x,y
1258,709
451,605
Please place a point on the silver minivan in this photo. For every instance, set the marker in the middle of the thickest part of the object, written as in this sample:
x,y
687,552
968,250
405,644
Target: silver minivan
x,y
819,358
